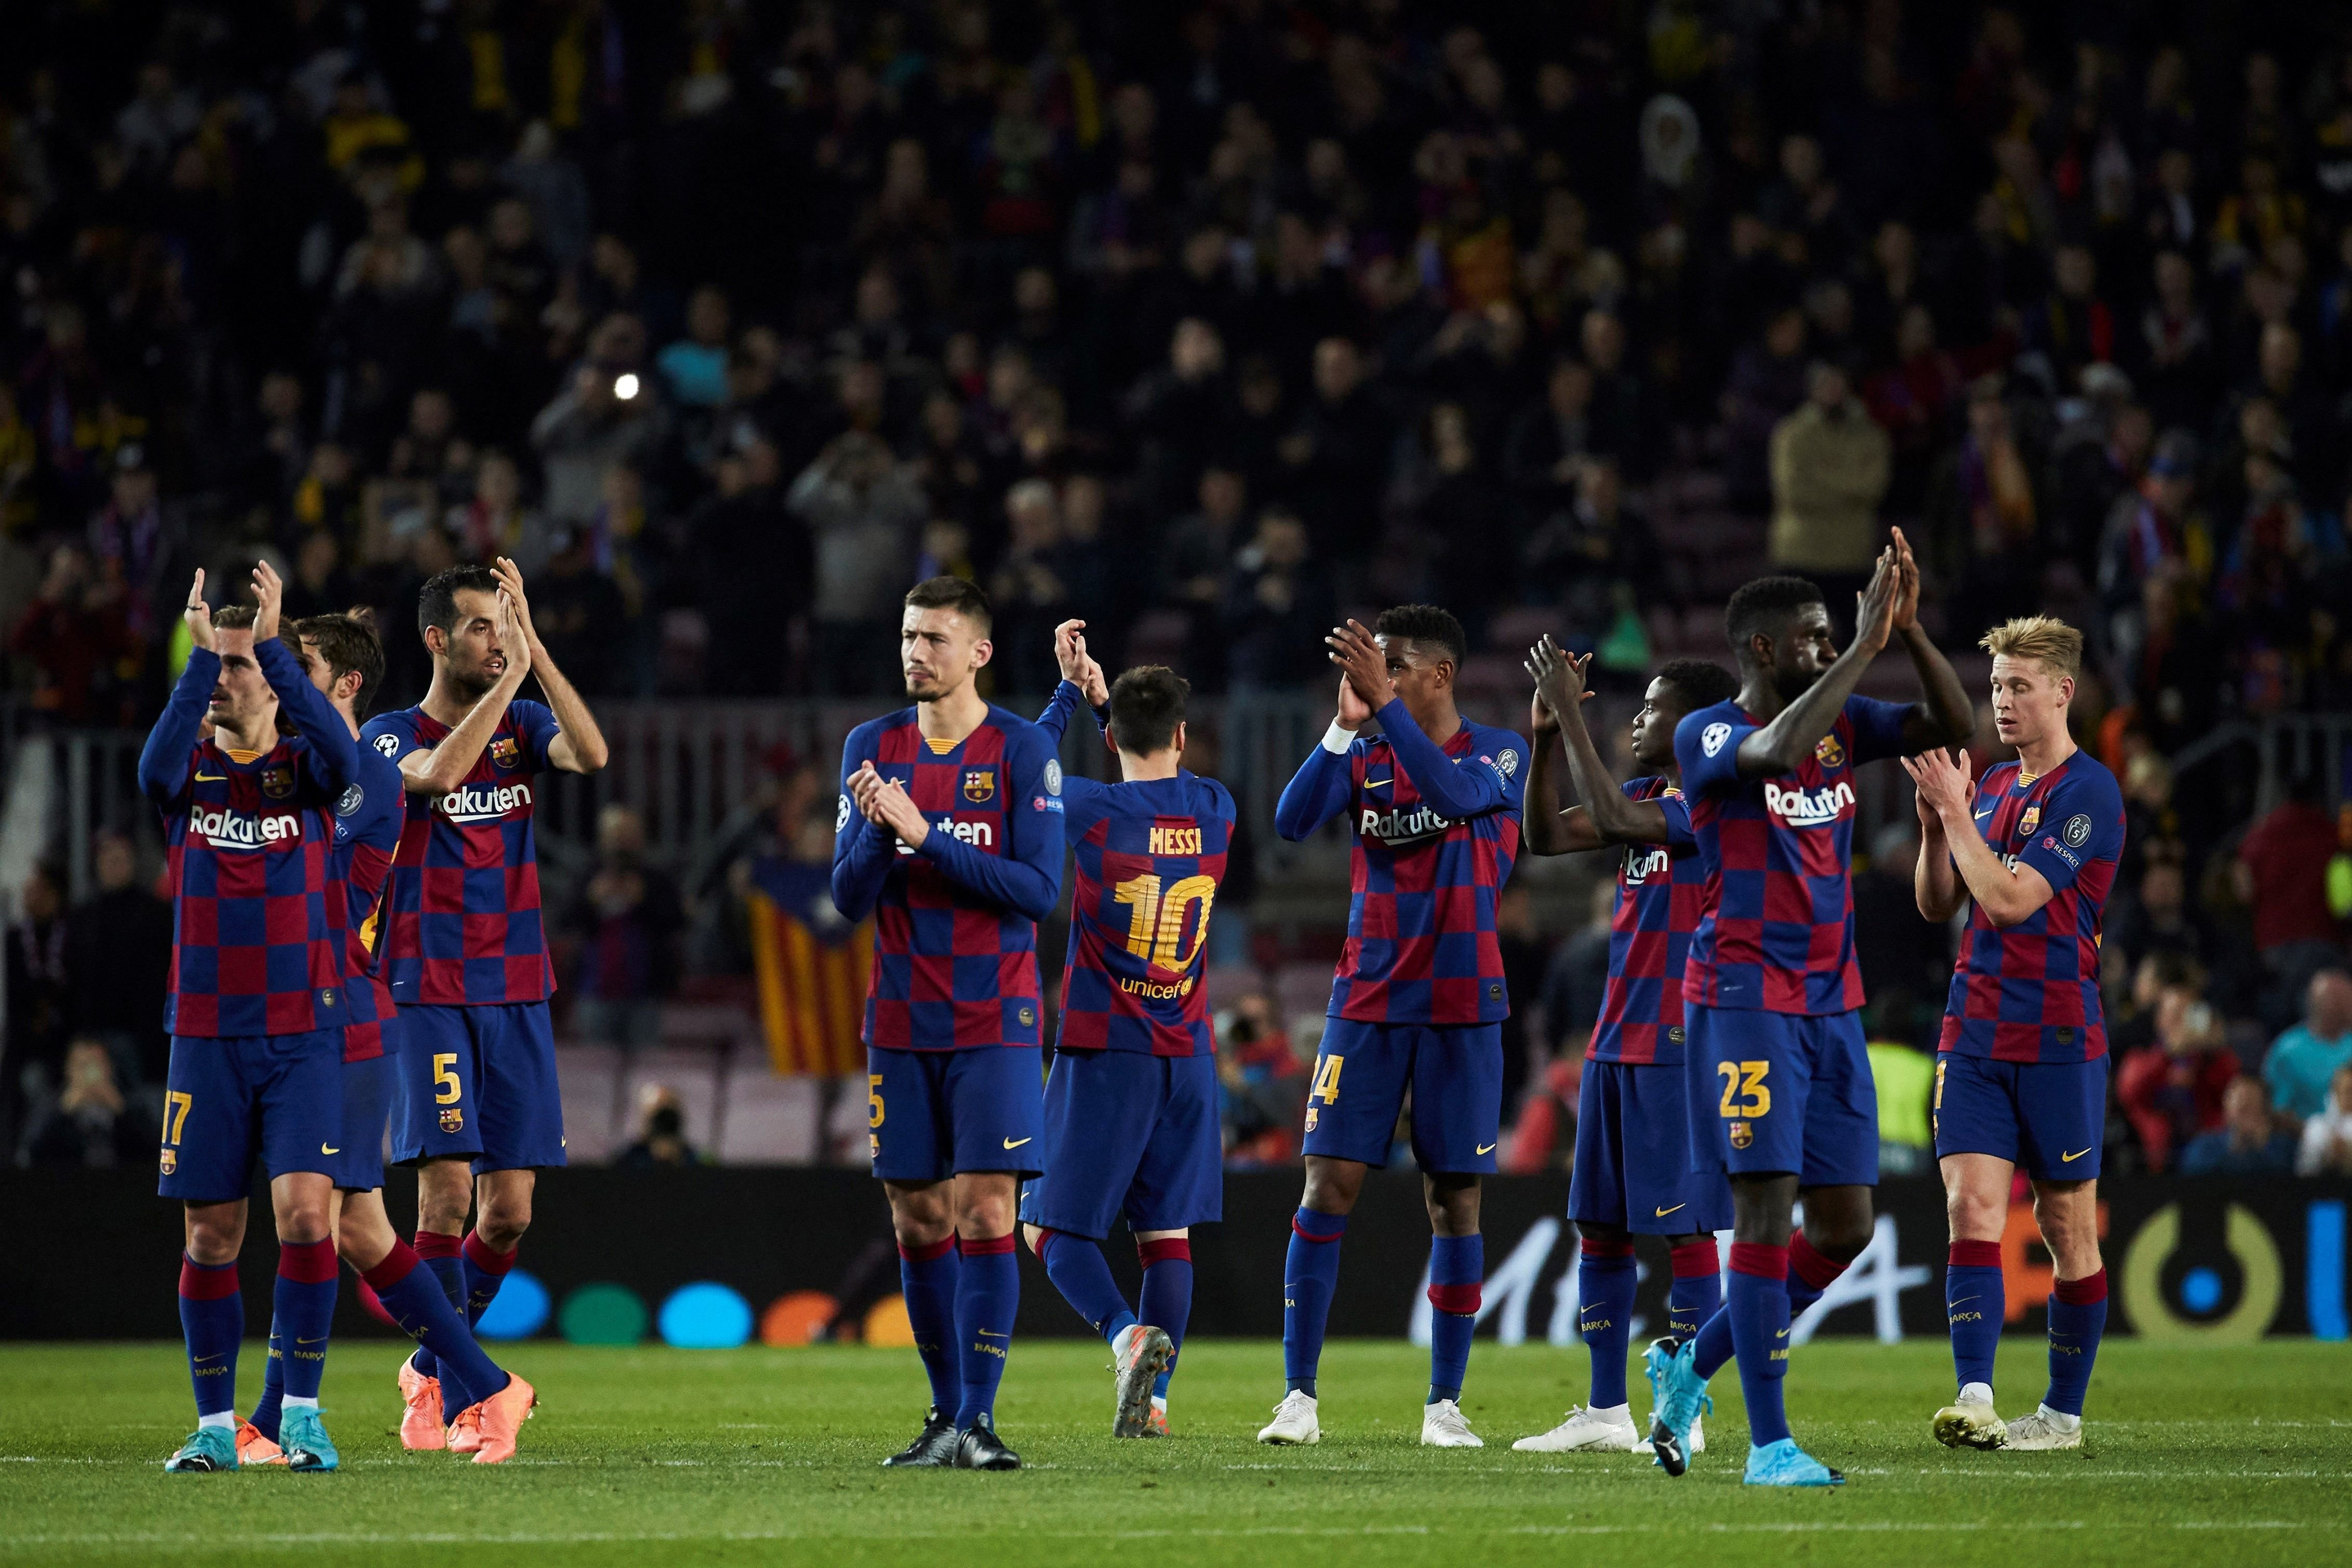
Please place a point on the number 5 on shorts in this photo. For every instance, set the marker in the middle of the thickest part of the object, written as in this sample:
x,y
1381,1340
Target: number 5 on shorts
x,y
1745,1079
445,1087
1326,1079
873,1099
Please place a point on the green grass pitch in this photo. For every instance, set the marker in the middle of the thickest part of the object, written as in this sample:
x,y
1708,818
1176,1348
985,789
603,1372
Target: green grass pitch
x,y
2222,1455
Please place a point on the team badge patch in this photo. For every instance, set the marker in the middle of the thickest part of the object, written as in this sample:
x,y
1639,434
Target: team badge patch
x,y
350,800
277,782
1828,752
841,815
388,745
1711,738
2078,832
1741,1136
504,752
979,785
1027,1015
170,1161
1312,1110
1052,776
2031,820
453,1119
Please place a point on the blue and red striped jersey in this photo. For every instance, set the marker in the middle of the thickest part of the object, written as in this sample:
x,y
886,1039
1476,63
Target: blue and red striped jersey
x,y
955,922
254,943
1150,854
462,907
2030,992
1435,829
366,838
1777,855
1661,891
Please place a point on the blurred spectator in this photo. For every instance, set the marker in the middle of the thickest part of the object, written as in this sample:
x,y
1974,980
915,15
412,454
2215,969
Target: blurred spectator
x,y
2304,1061
1194,566
85,1124
1768,382
1524,956
40,997
1906,963
1831,466
2282,871
1596,558
695,367
1278,604
627,918
118,959
755,571
1905,1079
2248,1143
606,415
661,1131
1028,594
1262,1082
2326,1145
1577,977
2171,1089
1985,515
862,507
2157,918
76,643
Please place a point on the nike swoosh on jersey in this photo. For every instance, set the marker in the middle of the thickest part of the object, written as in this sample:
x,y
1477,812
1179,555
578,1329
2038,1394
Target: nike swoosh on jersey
x,y
1487,1148
212,777
1016,1142
324,1150
2070,1160
1982,815
1664,1212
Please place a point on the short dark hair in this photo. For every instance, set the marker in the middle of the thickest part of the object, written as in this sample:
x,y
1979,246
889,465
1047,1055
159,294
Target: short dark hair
x,y
1147,704
437,604
234,617
349,644
1426,623
1703,682
1763,605
959,594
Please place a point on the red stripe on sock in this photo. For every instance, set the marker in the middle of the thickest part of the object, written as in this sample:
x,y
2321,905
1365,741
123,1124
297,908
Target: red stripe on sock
x,y
435,1244
1594,1249
1975,1255
1814,1267
1696,1260
306,1262
931,1250
2085,1291
1305,1234
206,1281
1762,1262
995,1246
1167,1249
1045,1235
485,1257
397,1265
1460,1300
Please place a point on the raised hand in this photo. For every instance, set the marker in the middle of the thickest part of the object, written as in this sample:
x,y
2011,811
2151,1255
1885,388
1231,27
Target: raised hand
x,y
894,809
198,614
1354,712
1874,614
509,578
514,638
269,595
1944,785
1365,664
1906,598
1559,677
1070,649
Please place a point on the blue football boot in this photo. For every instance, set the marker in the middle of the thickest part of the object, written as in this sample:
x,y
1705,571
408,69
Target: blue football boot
x,y
1783,1464
1678,1398
207,1449
304,1438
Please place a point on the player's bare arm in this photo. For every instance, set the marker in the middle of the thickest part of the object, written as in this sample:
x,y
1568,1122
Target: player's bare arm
x,y
1549,828
2008,894
1946,716
436,770
1612,818
1935,882
579,746
1781,745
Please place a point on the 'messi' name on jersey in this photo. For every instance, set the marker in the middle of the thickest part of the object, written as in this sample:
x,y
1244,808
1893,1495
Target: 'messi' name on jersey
x,y
482,803
1175,841
979,835
1397,826
228,830
1810,808
1645,860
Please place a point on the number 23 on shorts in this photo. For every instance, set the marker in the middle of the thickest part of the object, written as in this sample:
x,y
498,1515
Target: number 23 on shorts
x,y
1743,1094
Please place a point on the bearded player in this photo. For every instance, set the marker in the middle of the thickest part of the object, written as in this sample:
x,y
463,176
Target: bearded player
x,y
475,1106
950,833
344,658
2022,1068
1417,1004
1131,1123
255,1007
1634,1173
1771,994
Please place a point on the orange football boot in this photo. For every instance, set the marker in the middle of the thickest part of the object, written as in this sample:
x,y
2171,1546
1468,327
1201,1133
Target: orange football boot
x,y
420,1422
253,1449
466,1431
500,1419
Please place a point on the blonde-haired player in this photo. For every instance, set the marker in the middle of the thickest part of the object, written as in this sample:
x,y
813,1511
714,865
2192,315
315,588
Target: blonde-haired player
x,y
2022,1068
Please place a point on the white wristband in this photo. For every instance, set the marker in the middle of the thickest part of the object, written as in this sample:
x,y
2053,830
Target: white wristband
x,y
1337,738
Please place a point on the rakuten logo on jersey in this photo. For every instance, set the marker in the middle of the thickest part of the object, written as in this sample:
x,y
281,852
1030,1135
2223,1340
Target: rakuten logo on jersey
x,y
1641,865
226,830
483,802
1398,826
1808,808
979,835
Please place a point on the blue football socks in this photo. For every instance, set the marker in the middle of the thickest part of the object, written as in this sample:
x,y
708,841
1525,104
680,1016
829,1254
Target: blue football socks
x,y
1457,1274
1696,1293
1167,1300
1605,1278
987,1299
303,1312
421,1309
1975,1302
1758,1306
1309,1273
2078,1316
212,1317
1077,1266
927,1275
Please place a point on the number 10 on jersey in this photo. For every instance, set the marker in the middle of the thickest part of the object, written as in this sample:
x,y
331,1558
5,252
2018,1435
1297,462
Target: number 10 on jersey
x,y
1155,931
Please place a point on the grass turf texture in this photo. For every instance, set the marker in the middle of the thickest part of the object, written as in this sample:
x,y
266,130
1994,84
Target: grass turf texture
x,y
2194,1455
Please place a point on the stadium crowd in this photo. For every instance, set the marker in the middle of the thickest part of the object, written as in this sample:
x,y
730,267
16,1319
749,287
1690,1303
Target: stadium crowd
x,y
1205,323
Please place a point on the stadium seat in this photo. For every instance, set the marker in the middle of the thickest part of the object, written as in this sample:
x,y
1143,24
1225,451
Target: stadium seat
x,y
766,1120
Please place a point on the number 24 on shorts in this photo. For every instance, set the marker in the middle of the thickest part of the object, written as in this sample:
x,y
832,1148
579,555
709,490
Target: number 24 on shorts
x,y
1743,1094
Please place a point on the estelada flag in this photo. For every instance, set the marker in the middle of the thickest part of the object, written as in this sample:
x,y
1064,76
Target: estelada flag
x,y
811,966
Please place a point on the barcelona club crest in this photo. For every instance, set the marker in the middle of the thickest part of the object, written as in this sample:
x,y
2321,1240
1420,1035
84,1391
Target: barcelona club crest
x,y
453,1119
170,1160
980,785
504,752
1829,753
2031,821
1741,1136
277,782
